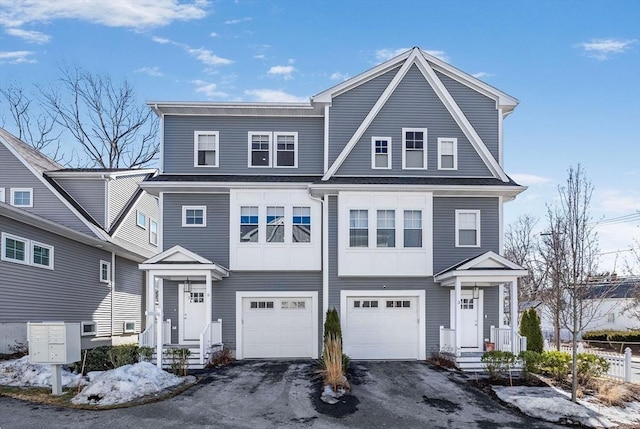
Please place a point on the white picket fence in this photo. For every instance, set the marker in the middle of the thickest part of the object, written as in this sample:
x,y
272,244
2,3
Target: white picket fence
x,y
619,364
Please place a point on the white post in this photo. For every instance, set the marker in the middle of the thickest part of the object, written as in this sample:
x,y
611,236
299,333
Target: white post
x,y
159,325
151,280
441,337
56,379
208,298
457,315
501,305
627,365
514,314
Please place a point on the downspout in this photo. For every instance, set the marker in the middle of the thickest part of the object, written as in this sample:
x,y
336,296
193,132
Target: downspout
x,y
325,254
113,290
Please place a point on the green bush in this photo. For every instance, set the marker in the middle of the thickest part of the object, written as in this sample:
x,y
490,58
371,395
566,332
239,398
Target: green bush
x,y
556,364
104,358
145,354
611,335
179,360
126,354
498,362
531,362
332,325
530,328
591,366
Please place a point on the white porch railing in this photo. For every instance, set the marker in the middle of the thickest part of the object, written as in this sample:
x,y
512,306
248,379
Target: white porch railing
x,y
212,334
447,340
148,337
619,364
501,337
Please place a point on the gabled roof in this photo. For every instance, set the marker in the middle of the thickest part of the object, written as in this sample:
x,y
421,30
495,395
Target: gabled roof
x,y
38,161
622,288
179,260
177,254
487,266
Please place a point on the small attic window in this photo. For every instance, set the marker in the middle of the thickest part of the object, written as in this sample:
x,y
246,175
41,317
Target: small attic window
x,y
141,219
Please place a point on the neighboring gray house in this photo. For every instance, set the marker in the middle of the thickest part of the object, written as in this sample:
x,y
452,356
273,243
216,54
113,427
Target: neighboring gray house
x,y
71,241
382,197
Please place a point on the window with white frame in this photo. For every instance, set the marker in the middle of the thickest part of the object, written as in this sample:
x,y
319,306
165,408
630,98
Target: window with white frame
x,y
412,228
414,148
105,271
88,328
141,219
381,152
41,255
611,318
2,200
301,231
275,224
153,232
129,327
22,197
206,148
358,228
447,154
194,216
386,228
467,228
15,249
259,149
249,231
286,149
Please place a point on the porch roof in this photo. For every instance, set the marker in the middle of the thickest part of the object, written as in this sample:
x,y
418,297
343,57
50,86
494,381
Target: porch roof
x,y
486,269
178,262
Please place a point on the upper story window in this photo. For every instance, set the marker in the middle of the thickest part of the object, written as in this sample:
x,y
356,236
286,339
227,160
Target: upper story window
x,y
22,197
141,219
2,195
414,148
279,149
301,232
447,154
275,224
206,148
286,149
413,228
105,272
41,255
153,232
27,252
249,232
386,231
467,228
358,228
381,152
259,149
194,216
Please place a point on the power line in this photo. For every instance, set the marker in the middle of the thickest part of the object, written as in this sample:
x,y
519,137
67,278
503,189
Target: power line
x,y
618,219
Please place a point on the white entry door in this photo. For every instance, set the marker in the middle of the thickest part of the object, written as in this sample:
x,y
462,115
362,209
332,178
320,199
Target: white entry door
x,y
194,313
470,319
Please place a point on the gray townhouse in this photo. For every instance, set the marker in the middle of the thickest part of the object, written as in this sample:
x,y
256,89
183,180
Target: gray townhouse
x,y
381,197
71,242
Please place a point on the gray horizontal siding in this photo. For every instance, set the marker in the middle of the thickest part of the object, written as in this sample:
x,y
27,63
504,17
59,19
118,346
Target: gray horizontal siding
x,y
179,143
129,229
479,109
348,110
71,292
414,104
121,190
170,307
13,174
127,295
89,193
212,241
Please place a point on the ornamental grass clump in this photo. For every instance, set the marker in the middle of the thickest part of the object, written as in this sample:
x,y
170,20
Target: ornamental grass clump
x,y
332,359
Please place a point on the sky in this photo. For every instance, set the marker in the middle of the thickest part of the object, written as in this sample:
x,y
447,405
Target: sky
x,y
574,66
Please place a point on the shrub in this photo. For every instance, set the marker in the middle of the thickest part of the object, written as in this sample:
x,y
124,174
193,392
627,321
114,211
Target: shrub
x,y
222,357
591,366
530,328
97,359
19,349
498,362
332,325
332,363
179,360
531,362
614,394
556,364
145,354
611,335
126,354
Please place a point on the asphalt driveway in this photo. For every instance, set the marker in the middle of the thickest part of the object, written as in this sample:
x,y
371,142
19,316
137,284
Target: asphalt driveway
x,y
268,394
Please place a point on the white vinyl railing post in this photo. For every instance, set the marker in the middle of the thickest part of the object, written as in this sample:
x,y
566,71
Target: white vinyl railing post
x,y
441,337
627,365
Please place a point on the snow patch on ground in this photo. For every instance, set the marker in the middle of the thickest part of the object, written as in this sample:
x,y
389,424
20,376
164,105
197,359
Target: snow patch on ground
x,y
554,405
126,383
21,372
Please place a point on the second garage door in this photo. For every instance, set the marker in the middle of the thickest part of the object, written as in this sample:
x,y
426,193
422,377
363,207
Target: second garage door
x,y
382,327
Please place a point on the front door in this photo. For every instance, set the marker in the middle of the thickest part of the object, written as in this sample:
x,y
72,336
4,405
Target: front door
x,y
194,312
470,319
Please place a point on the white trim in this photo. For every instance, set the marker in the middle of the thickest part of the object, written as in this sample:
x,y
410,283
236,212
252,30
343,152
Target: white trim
x,y
453,140
500,225
325,257
181,319
420,294
174,250
424,148
373,152
2,195
160,222
250,135
27,249
129,331
478,235
102,265
326,139
87,323
138,214
277,134
284,294
500,138
106,222
151,222
455,306
204,216
197,134
44,246
161,125
13,193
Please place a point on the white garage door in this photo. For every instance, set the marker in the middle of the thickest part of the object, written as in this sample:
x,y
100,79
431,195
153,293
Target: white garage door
x,y
382,328
279,327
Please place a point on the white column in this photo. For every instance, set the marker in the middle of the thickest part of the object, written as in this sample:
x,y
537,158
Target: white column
x,y
151,280
208,297
501,305
159,325
514,313
457,316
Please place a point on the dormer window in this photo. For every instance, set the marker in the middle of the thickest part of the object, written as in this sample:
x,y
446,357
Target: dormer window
x,y
381,152
206,148
259,149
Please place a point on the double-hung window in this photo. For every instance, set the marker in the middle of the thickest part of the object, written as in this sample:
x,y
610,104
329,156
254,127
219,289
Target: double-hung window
x,y
141,219
467,228
194,216
358,228
413,228
381,152
105,272
206,148
386,228
275,224
2,200
447,154
259,149
414,148
286,149
249,224
22,197
153,232
301,225
273,149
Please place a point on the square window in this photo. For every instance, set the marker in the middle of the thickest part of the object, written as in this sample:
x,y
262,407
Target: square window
x,y
194,216
249,224
284,304
129,327
447,153
358,228
275,224
15,249
141,219
386,230
105,271
301,225
22,197
259,149
41,255
467,228
413,228
206,148
414,148
286,149
381,152
611,318
88,328
356,304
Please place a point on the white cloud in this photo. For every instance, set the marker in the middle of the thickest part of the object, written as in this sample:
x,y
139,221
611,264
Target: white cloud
x,y
151,71
529,179
339,76
207,57
271,95
481,75
213,34
29,36
209,89
383,55
259,57
237,21
17,57
602,49
284,71
161,40
139,14
617,201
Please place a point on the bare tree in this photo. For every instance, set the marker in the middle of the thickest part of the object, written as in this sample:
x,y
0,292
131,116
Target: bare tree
x,y
632,308
35,128
105,118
